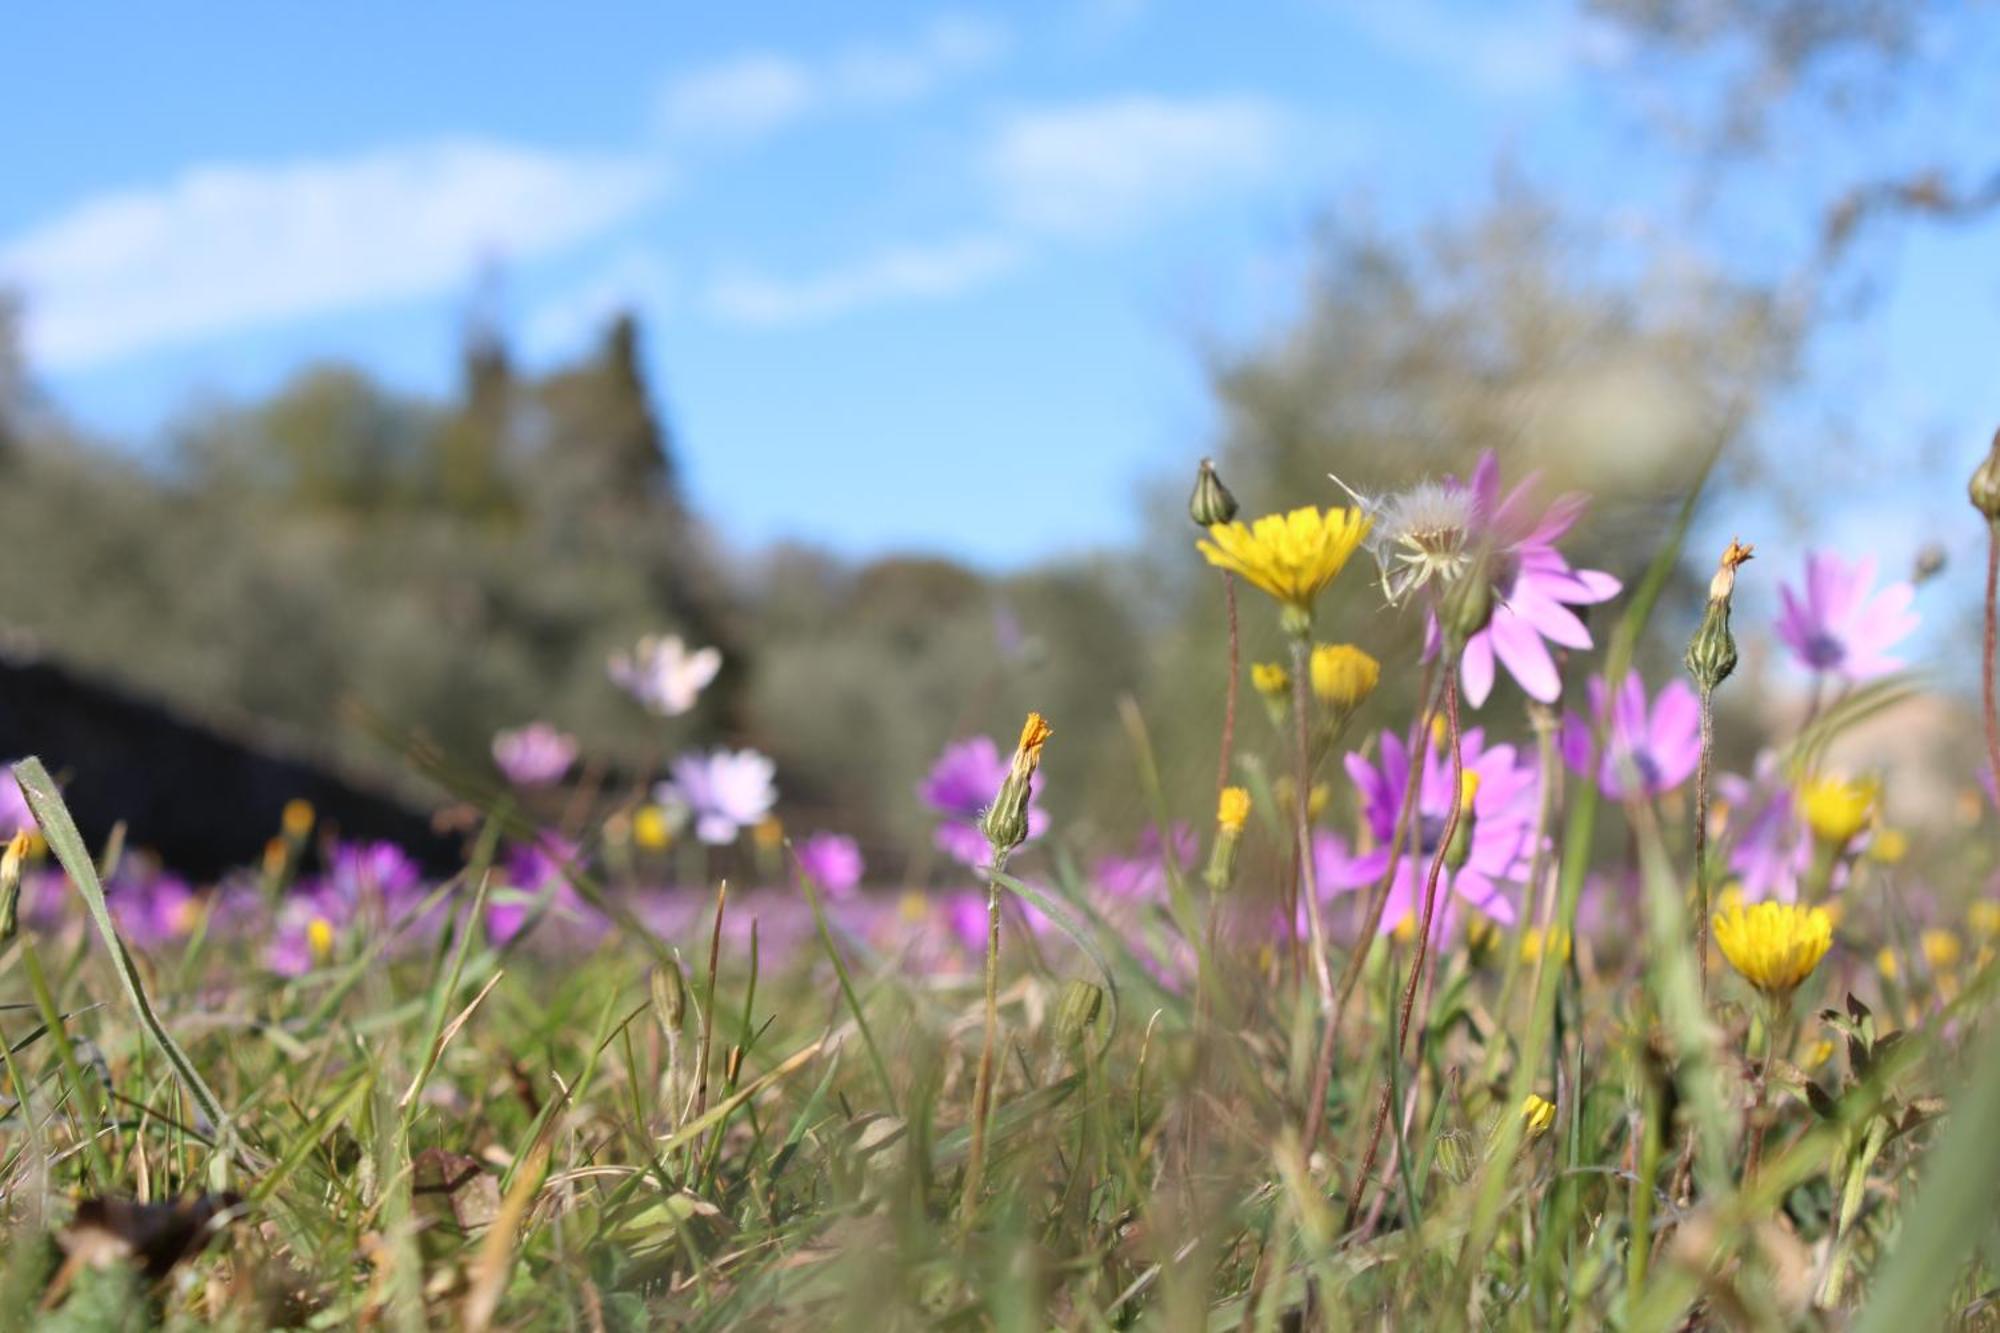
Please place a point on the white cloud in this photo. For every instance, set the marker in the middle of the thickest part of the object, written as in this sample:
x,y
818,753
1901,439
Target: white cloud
x,y
1521,53
1102,166
636,280
223,247
902,273
753,96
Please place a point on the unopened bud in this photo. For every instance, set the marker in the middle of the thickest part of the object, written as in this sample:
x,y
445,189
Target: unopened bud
x,y
1538,1116
1460,850
669,990
1468,604
1077,1012
1343,675
1711,654
1211,502
1006,822
11,863
1984,488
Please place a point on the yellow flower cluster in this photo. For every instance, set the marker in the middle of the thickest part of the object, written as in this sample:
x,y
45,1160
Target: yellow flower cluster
x,y
1291,557
1774,945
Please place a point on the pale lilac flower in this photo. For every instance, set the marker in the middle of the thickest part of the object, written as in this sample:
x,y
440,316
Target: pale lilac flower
x,y
1142,876
377,875
663,675
1503,817
832,862
1533,586
726,791
961,784
1838,624
537,755
1770,845
1659,746
532,870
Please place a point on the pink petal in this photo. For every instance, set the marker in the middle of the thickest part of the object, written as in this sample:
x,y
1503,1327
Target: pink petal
x,y
1525,656
1478,663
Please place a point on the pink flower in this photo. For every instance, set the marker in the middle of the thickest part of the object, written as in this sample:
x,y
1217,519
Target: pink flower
x,y
1836,624
832,862
1533,587
1659,746
535,756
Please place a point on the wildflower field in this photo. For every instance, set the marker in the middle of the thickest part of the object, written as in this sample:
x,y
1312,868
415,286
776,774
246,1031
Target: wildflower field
x,y
1517,1010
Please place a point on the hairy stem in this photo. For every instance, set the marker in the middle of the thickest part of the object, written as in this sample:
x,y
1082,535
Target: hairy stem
x,y
982,1090
1308,874
1704,769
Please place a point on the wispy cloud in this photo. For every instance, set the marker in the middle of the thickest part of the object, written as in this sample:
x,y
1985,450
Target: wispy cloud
x,y
1519,53
754,95
901,273
224,247
635,280
1106,165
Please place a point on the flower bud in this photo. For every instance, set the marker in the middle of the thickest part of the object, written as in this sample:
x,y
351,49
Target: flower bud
x,y
1538,1116
1711,654
1006,822
1984,488
1468,604
1460,850
1232,809
1076,1013
669,991
1211,502
1271,680
1343,675
11,862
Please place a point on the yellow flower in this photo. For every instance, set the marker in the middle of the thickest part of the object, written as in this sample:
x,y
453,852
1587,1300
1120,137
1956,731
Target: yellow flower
x,y
1885,963
1286,792
768,833
298,818
1984,918
1837,808
1291,556
650,829
319,938
1232,809
1774,945
1941,949
1539,1113
1558,944
1270,679
913,907
1343,675
1819,1053
1889,846
1035,733
1468,791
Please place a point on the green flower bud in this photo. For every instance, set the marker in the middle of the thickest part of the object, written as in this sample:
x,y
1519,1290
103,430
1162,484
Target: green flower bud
x,y
1984,488
1468,604
1211,502
1005,823
669,991
1711,654
1076,1013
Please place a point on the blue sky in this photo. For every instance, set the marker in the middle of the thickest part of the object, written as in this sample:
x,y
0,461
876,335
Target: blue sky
x,y
913,277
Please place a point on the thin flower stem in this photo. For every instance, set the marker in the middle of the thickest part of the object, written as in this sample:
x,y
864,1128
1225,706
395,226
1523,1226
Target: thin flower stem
x,y
1423,941
1229,697
1308,874
1704,767
982,1091
1987,687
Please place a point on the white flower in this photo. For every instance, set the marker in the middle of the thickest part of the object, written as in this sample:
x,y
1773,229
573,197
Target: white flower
x,y
663,675
726,791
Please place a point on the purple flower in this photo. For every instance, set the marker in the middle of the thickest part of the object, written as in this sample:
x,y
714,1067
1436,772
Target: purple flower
x,y
307,927
15,817
1142,876
726,791
961,784
1533,587
1772,848
1838,625
375,874
535,756
832,862
1660,746
152,908
1503,815
534,869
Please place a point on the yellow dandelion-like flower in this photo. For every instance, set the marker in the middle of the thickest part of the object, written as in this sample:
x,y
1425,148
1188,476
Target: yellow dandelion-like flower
x,y
1941,949
1232,808
1468,790
1837,808
1343,675
1539,1115
650,829
319,938
1533,944
1774,945
1889,846
1984,918
1886,964
298,817
1819,1053
1270,679
1286,792
1293,556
